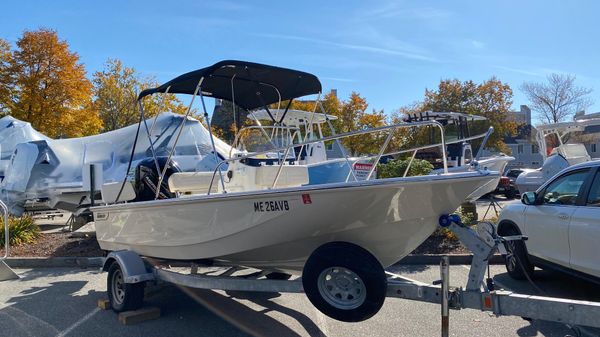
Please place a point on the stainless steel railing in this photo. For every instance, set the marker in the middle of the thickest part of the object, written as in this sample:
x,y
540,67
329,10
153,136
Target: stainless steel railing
x,y
389,128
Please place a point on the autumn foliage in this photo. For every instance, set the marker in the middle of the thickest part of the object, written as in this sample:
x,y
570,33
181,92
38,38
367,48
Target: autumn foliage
x,y
48,87
491,99
46,84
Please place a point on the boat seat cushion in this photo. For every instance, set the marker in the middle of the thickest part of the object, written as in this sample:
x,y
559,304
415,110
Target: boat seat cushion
x,y
111,190
291,175
192,182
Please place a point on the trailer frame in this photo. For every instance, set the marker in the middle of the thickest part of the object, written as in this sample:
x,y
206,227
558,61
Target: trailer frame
x,y
479,294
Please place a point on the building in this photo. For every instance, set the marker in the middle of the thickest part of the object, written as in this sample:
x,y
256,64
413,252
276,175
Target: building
x,y
592,143
523,146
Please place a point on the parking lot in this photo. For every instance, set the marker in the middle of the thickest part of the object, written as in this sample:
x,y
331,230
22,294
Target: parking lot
x,y
62,302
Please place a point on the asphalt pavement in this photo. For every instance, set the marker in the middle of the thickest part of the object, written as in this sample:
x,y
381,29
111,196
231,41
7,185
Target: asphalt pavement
x,y
62,302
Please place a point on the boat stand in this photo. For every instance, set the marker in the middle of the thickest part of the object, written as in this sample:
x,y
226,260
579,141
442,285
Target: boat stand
x,y
478,294
493,204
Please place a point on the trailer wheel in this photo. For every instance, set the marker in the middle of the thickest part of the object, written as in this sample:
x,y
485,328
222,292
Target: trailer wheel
x,y
123,296
344,281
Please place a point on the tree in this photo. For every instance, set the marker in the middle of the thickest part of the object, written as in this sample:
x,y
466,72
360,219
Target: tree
x,y
369,143
351,116
116,89
223,123
491,99
557,99
6,77
51,90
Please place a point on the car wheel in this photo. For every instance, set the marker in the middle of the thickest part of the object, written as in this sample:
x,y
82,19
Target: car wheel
x,y
510,194
123,296
516,260
344,281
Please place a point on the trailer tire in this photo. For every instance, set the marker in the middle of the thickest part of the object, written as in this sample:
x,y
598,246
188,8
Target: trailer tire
x,y
123,296
344,281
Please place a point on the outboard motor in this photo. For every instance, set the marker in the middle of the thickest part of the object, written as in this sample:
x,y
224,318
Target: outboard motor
x,y
146,179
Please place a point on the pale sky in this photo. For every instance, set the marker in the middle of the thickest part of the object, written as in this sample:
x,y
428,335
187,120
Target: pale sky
x,y
388,51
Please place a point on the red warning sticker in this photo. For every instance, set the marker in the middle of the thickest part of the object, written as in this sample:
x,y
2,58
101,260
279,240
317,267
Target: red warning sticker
x,y
306,199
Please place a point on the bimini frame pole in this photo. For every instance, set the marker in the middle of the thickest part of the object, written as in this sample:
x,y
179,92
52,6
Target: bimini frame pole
x,y
160,107
337,141
212,140
149,137
187,113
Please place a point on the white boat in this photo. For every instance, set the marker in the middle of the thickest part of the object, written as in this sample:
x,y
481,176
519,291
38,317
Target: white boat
x,y
279,229
460,153
254,210
340,236
56,172
560,157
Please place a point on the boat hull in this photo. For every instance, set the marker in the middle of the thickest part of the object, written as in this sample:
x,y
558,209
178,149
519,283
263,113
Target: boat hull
x,y
279,229
495,164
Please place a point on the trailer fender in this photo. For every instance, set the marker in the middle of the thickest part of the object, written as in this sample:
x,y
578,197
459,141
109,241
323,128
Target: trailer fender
x,y
132,265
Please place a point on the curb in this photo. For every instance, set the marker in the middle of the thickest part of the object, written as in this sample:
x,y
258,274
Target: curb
x,y
97,262
54,262
455,259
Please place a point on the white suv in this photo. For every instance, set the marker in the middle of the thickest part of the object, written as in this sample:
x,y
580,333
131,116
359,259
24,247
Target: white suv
x,y
562,222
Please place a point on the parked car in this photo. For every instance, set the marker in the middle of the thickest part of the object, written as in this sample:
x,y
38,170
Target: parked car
x,y
505,187
562,223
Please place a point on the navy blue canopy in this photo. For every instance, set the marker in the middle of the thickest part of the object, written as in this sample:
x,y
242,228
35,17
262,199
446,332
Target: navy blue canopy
x,y
254,85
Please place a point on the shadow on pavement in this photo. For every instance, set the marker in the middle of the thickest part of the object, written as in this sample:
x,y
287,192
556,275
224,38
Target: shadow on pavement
x,y
256,323
68,308
48,310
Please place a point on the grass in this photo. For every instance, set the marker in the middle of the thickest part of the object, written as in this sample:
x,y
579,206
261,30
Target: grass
x,y
21,229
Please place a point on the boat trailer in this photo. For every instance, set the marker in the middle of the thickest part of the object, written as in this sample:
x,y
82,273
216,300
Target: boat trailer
x,y
478,294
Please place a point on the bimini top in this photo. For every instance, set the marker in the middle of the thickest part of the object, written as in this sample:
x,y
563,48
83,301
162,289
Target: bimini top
x,y
254,85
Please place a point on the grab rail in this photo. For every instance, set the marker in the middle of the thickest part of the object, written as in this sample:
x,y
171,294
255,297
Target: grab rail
x,y
390,128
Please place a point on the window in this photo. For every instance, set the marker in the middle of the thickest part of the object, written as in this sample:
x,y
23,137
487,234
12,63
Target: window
x,y
520,149
513,173
594,195
564,190
593,148
535,148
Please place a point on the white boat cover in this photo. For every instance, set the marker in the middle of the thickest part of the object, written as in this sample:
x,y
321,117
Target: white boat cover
x,y
13,132
46,168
